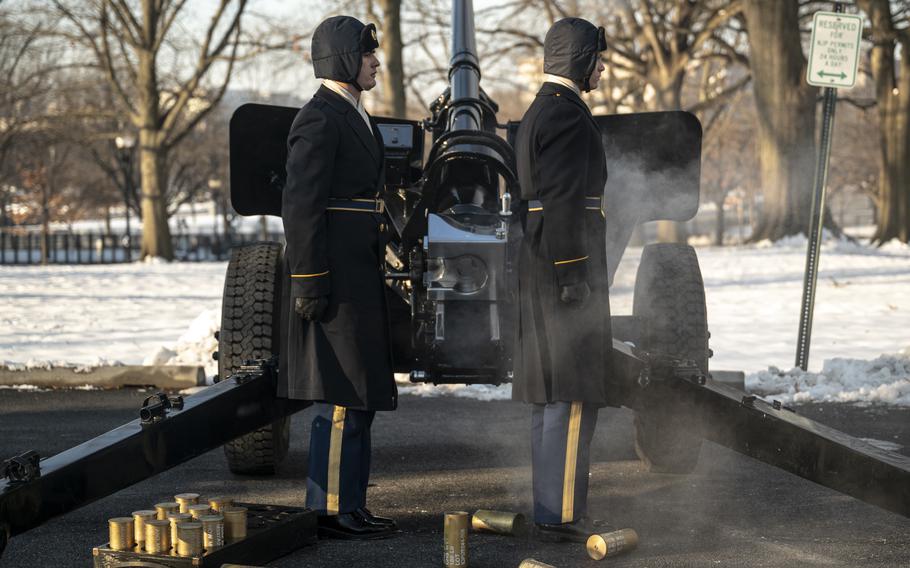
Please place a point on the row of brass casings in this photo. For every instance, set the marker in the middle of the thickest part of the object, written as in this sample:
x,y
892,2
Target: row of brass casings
x,y
183,526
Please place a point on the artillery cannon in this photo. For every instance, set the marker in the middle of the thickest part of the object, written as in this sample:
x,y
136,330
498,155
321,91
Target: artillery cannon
x,y
451,278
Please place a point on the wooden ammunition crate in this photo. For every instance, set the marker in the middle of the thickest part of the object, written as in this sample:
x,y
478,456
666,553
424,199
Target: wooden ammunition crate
x,y
272,532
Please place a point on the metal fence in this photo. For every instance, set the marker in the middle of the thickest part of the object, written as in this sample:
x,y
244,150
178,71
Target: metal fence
x,y
25,247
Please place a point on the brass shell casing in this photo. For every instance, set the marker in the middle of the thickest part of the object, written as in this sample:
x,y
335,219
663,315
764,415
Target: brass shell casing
x,y
455,539
157,536
139,520
185,500
218,503
612,543
212,531
122,536
199,510
164,508
189,539
234,522
531,563
175,519
499,522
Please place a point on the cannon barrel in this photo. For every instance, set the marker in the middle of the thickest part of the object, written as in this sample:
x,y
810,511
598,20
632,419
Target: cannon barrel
x,y
464,70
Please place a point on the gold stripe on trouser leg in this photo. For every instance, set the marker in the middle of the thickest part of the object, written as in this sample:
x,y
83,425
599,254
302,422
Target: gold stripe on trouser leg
x,y
568,480
334,476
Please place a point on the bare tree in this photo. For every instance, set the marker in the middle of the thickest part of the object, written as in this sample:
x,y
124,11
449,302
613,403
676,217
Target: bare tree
x,y
165,81
891,71
659,43
786,117
393,52
728,158
27,67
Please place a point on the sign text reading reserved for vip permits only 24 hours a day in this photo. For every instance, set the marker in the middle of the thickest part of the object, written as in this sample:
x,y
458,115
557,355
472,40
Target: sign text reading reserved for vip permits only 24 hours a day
x,y
834,52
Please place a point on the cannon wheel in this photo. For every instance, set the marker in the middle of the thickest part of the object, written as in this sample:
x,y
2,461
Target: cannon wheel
x,y
250,320
670,298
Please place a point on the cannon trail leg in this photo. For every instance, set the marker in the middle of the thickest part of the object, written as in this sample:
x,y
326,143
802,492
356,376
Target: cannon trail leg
x,y
137,450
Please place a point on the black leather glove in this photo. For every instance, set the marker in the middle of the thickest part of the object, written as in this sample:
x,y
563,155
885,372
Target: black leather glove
x,y
574,294
311,309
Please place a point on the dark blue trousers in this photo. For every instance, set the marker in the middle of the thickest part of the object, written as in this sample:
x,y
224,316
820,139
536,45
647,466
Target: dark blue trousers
x,y
561,434
339,468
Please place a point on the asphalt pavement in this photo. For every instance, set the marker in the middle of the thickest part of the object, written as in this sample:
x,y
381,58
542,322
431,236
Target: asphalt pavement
x,y
440,454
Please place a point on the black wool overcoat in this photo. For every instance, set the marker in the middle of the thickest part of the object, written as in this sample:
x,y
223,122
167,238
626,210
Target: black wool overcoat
x,y
344,359
562,351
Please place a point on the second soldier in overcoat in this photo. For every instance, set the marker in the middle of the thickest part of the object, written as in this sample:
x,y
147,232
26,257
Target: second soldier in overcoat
x,y
564,340
337,352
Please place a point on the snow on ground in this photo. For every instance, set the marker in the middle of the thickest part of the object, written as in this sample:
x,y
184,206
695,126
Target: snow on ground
x,y
107,314
163,313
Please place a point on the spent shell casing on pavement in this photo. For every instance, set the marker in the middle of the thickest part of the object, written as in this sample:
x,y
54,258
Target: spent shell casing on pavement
x,y
199,510
234,522
531,563
175,519
455,539
603,545
157,536
121,533
185,500
212,531
139,520
164,508
189,539
499,522
218,503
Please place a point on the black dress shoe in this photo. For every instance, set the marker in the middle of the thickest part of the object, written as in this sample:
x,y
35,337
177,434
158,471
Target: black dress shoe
x,y
576,531
349,526
372,519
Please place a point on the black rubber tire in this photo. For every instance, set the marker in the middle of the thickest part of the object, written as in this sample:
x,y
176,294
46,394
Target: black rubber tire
x,y
670,299
250,318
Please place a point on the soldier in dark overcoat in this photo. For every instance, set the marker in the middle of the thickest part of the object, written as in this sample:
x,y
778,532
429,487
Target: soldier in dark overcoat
x,y
564,339
338,348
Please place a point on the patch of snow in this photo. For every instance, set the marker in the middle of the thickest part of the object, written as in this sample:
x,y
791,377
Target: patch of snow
x,y
885,379
478,392
92,315
30,388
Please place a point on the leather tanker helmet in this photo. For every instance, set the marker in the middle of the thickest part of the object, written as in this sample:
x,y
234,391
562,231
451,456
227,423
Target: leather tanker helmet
x,y
338,46
572,48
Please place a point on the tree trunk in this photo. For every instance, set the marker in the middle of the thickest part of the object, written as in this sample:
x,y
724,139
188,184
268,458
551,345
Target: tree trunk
x,y
719,224
45,225
785,105
892,89
669,97
393,78
156,235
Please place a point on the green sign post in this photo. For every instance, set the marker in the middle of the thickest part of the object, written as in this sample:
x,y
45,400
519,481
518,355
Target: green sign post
x,y
833,59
